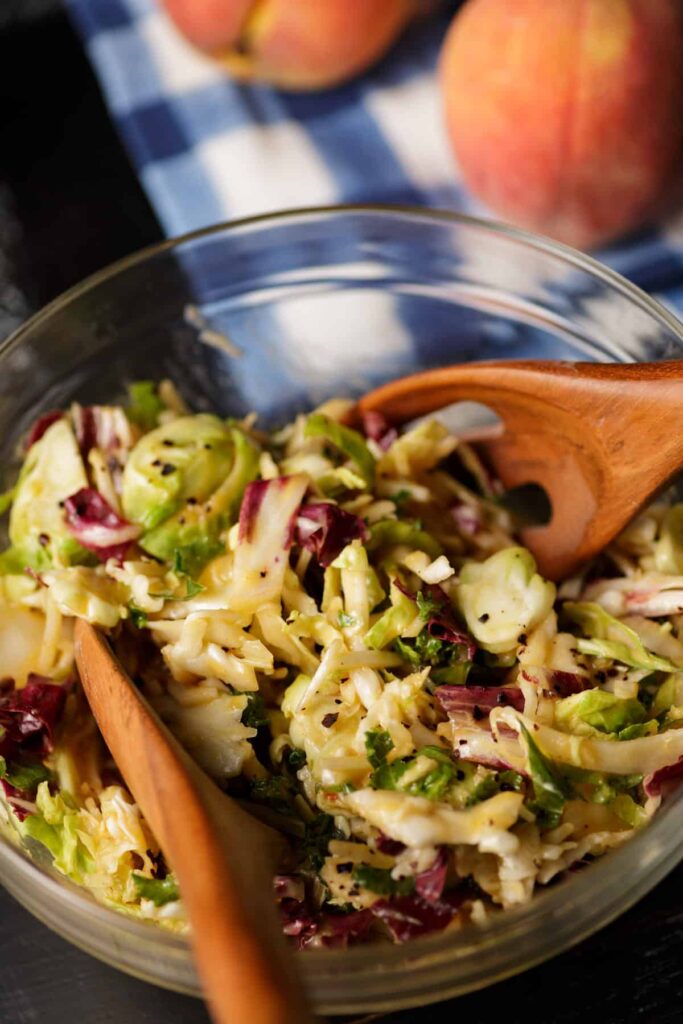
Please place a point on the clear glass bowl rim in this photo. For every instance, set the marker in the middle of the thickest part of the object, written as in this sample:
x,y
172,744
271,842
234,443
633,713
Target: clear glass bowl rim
x,y
447,963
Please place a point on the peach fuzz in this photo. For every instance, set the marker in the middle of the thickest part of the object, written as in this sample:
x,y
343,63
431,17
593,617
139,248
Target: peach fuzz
x,y
566,116
293,44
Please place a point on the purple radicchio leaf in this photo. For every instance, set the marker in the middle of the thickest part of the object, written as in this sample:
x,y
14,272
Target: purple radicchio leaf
x,y
429,884
378,429
29,717
96,526
252,500
442,623
95,427
656,781
325,530
391,846
478,700
22,803
41,425
564,684
467,518
407,917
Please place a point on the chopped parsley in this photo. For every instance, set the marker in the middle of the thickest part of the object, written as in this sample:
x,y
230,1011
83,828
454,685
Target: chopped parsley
x,y
159,890
427,606
551,790
255,715
379,880
295,759
192,587
137,616
378,745
26,777
317,836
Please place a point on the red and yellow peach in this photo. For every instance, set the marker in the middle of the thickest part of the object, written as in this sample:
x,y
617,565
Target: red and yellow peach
x,y
566,116
293,44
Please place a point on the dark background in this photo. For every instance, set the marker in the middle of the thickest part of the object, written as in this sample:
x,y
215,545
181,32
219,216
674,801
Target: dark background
x,y
69,204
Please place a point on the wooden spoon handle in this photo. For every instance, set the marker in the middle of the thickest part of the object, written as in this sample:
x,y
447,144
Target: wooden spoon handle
x,y
223,860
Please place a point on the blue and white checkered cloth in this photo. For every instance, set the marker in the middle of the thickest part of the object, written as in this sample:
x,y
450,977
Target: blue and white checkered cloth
x,y
208,149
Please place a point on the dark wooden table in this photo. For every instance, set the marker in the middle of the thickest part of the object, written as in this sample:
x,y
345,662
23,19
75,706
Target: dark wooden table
x,y
69,204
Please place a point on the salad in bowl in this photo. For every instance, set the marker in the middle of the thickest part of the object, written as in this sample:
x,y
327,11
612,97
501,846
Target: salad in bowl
x,y
342,628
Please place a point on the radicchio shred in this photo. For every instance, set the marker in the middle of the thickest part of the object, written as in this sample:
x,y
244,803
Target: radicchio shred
x,y
485,698
654,783
29,718
96,526
41,425
428,909
326,529
429,884
442,624
377,428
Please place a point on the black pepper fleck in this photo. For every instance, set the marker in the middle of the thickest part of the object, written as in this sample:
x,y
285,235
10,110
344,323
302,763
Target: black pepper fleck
x,y
345,868
485,617
43,540
329,719
168,469
522,639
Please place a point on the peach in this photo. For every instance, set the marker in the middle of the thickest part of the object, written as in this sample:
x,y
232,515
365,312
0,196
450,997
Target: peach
x,y
293,44
566,116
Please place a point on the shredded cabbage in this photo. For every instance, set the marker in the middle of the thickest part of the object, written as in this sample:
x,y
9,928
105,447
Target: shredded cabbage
x,y
342,631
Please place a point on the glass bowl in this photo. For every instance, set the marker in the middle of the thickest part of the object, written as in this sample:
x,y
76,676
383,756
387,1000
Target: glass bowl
x,y
318,303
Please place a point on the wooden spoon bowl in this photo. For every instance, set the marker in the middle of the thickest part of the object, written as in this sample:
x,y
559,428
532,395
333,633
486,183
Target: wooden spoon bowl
x,y
600,438
223,858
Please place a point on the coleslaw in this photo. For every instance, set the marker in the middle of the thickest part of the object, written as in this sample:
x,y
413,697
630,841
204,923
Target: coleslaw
x,y
342,629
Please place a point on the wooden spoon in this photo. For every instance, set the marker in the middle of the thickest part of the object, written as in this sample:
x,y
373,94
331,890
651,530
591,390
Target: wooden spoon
x,y
601,438
223,858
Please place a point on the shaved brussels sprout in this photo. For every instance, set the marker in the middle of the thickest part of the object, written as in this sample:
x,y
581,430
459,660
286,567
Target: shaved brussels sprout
x,y
185,459
56,826
53,471
584,713
418,450
401,531
610,638
194,529
393,622
669,547
503,598
348,441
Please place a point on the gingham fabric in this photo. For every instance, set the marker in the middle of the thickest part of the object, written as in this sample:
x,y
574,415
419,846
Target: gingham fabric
x,y
208,149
